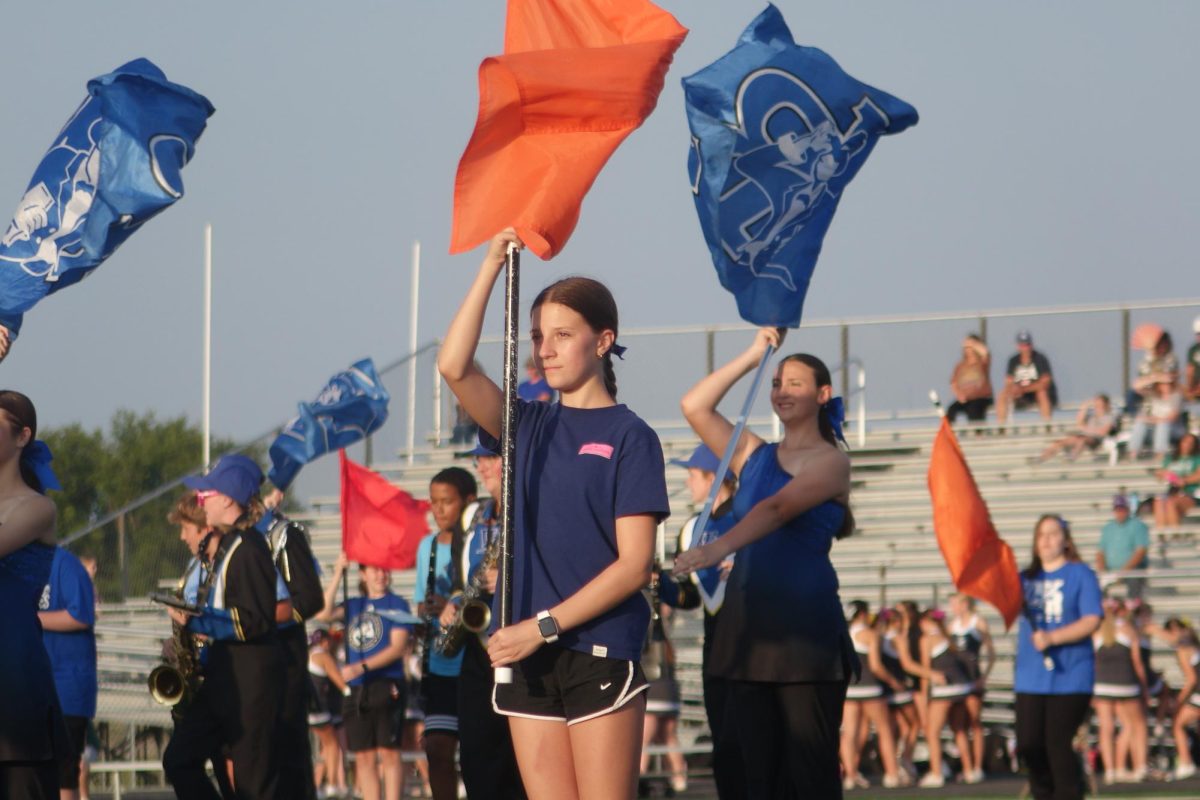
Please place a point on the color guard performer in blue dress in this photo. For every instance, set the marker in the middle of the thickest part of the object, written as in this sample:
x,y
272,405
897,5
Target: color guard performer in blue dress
x,y
590,492
782,640
32,735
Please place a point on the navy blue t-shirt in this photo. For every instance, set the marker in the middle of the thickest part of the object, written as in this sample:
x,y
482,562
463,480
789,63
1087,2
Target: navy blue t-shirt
x,y
577,471
1055,599
368,632
72,653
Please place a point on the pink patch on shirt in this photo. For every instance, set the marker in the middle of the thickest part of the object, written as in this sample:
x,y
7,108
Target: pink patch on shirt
x,y
596,449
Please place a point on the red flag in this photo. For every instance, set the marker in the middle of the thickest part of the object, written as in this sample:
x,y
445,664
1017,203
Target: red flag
x,y
381,524
980,562
575,79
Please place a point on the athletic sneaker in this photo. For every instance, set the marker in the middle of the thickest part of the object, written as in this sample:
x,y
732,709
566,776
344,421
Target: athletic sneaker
x,y
1184,771
932,780
894,781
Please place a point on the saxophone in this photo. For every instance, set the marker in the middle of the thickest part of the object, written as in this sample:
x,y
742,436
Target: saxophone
x,y
178,678
475,615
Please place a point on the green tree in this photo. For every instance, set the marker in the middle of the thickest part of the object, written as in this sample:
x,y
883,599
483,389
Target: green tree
x,y
102,472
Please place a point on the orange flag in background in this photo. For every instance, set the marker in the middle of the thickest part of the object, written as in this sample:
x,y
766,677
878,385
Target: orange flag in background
x,y
381,523
980,562
575,79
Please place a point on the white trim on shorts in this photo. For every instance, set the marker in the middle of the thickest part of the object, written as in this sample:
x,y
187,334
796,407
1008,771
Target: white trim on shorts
x,y
953,691
900,698
1116,691
1194,700
662,707
624,697
864,692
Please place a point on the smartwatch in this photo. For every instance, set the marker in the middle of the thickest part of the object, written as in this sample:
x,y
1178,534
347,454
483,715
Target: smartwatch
x,y
547,627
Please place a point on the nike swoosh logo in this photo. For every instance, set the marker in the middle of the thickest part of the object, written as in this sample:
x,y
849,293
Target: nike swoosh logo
x,y
604,686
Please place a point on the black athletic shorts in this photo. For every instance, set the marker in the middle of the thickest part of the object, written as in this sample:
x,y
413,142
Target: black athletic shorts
x,y
440,695
68,762
559,684
373,715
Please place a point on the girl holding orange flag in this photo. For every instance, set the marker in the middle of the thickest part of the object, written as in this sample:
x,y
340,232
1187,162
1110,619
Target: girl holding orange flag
x,y
590,492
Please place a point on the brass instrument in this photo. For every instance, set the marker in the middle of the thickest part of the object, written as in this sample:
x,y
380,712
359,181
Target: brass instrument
x,y
475,615
178,678
429,626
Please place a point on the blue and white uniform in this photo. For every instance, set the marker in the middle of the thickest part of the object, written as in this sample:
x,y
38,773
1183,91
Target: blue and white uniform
x,y
968,638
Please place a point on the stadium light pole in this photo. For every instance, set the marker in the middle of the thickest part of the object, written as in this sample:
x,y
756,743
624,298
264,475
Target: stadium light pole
x,y
206,402
414,293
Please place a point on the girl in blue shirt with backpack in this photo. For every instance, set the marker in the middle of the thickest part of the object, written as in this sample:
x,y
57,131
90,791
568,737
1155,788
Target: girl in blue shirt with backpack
x,y
590,491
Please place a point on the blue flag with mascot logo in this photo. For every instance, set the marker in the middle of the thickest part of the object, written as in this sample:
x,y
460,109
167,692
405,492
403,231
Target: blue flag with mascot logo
x,y
778,131
352,406
114,165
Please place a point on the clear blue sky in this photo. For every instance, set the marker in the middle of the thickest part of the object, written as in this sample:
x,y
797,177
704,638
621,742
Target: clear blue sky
x,y
1052,164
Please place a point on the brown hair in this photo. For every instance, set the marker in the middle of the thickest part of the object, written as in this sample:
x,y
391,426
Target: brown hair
x,y
188,509
822,378
22,414
592,300
1069,549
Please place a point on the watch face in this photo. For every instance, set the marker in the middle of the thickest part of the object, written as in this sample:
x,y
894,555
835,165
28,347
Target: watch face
x,y
547,627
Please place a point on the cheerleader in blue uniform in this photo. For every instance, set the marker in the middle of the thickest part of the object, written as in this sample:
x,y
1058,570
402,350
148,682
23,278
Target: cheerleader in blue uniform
x,y
32,734
782,641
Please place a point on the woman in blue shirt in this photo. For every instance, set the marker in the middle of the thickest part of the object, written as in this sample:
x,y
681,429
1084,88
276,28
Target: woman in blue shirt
x,y
1055,667
590,491
31,728
781,640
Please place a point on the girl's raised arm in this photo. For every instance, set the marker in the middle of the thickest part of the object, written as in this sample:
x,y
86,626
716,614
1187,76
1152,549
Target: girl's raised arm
x,y
478,394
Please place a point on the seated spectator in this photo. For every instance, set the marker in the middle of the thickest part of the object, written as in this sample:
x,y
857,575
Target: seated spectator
x,y
1191,386
534,387
1164,414
1094,421
1159,365
1181,474
1124,546
971,381
1027,381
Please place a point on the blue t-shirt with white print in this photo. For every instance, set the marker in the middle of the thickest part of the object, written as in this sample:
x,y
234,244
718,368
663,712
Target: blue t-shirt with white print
x,y
577,471
368,632
438,664
72,653
1054,599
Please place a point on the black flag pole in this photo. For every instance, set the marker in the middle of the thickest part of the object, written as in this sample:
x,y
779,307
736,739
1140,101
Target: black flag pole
x,y
508,442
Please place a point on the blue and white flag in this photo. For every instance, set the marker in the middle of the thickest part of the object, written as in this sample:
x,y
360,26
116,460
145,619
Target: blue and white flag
x,y
352,406
114,165
778,130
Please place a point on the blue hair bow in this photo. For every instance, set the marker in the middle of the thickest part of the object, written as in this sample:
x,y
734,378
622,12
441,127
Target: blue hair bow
x,y
618,351
835,412
37,456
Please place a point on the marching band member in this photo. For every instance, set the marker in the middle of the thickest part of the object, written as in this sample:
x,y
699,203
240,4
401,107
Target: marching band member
x,y
489,765
239,702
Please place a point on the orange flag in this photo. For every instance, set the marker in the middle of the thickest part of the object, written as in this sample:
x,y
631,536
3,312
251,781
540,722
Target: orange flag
x,y
575,79
980,562
381,524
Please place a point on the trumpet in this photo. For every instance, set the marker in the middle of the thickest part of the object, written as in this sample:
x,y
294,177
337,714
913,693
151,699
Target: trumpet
x,y
475,615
